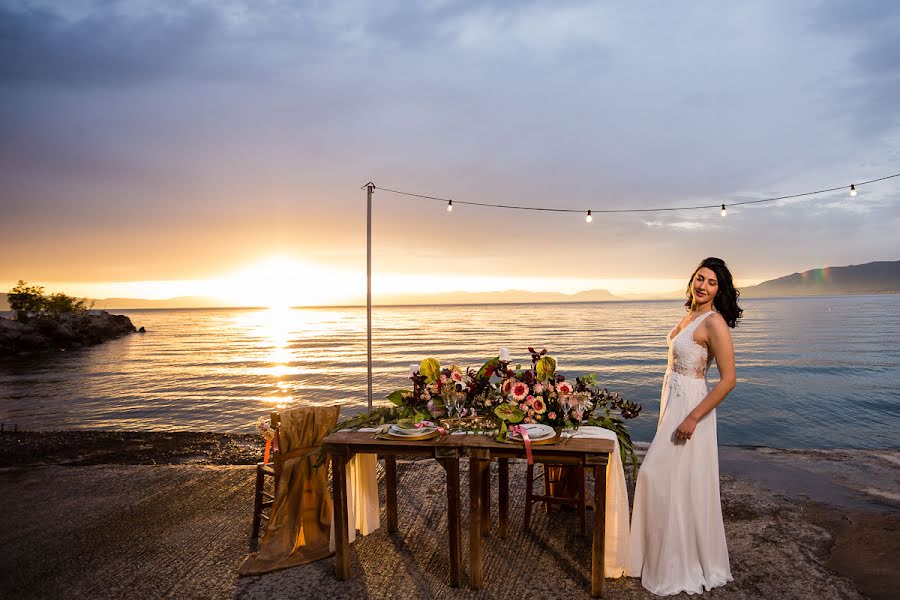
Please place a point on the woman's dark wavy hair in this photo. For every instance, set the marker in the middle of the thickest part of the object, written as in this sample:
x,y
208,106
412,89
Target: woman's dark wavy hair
x,y
726,300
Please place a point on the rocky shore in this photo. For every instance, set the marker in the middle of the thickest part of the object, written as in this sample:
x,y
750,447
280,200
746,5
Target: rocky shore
x,y
65,332
167,515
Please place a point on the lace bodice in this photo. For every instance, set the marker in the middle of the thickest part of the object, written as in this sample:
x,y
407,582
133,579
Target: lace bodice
x,y
687,357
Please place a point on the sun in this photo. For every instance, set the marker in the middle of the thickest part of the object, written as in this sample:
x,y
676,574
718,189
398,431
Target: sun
x,y
281,282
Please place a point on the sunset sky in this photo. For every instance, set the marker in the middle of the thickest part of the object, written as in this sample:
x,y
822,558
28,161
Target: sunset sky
x,y
158,149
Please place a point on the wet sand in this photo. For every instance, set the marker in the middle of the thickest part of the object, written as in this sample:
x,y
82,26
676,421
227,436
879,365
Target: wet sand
x,y
162,515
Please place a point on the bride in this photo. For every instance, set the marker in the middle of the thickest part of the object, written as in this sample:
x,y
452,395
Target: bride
x,y
677,541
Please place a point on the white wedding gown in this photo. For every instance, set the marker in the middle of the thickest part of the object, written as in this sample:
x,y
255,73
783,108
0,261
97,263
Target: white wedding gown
x,y
677,541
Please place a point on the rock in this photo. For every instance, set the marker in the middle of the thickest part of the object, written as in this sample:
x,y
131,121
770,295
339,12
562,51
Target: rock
x,y
142,330
68,331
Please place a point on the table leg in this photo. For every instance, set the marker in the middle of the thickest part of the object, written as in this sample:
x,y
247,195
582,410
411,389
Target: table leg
x,y
339,492
598,576
476,475
503,496
451,465
390,484
486,501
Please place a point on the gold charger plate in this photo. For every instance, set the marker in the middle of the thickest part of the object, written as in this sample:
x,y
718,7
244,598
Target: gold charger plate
x,y
550,440
386,435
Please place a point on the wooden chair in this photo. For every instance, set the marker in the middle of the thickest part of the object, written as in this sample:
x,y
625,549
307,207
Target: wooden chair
x,y
563,485
264,493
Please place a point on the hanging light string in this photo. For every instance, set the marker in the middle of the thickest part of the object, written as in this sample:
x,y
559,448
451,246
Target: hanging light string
x,y
590,212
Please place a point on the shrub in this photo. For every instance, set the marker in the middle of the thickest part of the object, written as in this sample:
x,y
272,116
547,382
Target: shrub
x,y
28,301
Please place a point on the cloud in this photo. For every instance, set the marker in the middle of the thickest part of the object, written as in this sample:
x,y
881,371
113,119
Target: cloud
x,y
152,115
42,45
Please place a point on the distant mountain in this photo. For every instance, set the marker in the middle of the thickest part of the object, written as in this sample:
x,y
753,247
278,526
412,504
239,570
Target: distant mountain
x,y
881,277
505,297
179,302
131,303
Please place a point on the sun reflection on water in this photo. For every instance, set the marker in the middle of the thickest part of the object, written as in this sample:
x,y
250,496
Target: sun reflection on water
x,y
276,336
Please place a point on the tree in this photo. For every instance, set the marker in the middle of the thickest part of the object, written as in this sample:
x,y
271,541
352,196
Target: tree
x,y
26,300
59,304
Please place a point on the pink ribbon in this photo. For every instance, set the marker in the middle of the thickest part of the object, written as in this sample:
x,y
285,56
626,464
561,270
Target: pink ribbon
x,y
524,433
422,424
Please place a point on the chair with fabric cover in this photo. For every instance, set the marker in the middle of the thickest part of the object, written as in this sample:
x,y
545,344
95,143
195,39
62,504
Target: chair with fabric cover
x,y
299,521
563,485
266,483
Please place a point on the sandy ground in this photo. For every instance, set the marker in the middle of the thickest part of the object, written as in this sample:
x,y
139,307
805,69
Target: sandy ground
x,y
800,524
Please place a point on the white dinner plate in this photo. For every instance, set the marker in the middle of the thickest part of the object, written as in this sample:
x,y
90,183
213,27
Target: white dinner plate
x,y
397,430
536,431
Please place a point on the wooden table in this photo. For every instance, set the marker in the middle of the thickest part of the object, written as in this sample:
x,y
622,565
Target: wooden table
x,y
342,445
585,452
481,450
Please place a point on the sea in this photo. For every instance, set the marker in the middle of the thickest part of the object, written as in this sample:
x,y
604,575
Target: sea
x,y
818,372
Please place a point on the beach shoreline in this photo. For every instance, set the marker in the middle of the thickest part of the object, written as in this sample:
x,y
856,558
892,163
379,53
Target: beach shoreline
x,y
134,501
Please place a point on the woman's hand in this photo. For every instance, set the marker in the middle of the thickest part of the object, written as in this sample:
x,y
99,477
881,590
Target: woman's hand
x,y
686,429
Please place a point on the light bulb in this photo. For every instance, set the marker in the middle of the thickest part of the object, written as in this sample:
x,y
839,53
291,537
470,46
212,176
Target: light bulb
x,y
588,218
450,206
853,191
724,212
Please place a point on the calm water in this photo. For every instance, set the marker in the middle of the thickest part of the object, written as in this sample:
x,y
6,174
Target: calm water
x,y
816,372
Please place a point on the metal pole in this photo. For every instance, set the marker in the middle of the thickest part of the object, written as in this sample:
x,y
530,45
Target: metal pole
x,y
370,189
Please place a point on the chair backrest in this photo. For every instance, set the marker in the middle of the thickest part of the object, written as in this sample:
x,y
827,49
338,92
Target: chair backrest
x,y
297,429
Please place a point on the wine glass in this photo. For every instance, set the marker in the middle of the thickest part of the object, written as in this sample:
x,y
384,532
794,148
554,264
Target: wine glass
x,y
452,401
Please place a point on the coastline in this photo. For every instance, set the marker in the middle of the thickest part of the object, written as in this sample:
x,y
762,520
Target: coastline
x,y
808,523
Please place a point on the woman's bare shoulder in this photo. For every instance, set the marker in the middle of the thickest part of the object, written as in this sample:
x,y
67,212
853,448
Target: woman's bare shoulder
x,y
716,327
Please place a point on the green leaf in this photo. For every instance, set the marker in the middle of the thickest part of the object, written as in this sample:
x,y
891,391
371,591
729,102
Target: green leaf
x,y
494,362
431,369
501,431
509,413
397,397
546,368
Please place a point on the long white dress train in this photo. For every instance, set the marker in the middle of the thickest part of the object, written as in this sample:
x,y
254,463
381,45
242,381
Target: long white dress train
x,y
677,541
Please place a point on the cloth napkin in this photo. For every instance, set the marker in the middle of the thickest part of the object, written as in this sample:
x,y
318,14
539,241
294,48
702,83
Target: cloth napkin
x,y
617,518
362,497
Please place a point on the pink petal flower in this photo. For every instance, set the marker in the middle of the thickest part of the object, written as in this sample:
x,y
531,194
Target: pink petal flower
x,y
519,390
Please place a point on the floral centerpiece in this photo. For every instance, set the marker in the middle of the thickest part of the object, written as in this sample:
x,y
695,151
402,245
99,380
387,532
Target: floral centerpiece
x,y
542,395
507,396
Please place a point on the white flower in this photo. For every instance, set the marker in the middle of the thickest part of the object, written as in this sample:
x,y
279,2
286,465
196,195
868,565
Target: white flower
x,y
264,427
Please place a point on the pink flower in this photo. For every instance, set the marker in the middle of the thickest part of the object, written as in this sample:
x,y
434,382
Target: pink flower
x,y
519,391
578,415
529,420
564,387
530,413
529,401
522,406
435,410
538,388
507,385
456,376
551,416
539,406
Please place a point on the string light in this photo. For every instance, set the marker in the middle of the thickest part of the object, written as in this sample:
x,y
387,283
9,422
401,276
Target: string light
x,y
589,216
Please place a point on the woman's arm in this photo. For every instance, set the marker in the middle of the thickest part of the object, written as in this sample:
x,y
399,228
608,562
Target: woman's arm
x,y
720,346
